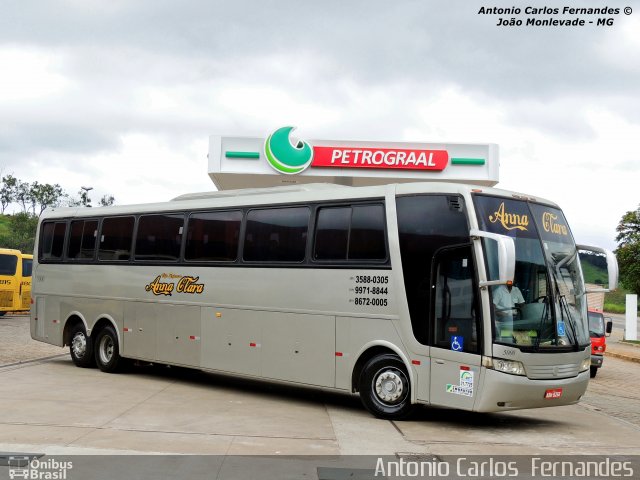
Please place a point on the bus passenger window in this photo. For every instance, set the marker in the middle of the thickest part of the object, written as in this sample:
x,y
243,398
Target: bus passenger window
x,y
52,240
213,236
276,235
115,238
332,233
82,239
350,233
366,241
159,237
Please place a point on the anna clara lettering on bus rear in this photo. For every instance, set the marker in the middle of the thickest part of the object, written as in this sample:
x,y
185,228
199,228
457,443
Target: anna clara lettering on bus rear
x,y
177,283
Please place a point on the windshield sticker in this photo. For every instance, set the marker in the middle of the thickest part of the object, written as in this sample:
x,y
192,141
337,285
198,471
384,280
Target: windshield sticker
x,y
457,343
561,331
178,283
465,385
551,225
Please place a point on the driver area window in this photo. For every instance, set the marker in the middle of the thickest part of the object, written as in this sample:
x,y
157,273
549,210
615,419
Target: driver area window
x,y
455,312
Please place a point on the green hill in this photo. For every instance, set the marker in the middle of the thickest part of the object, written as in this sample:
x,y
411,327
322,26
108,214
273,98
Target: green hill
x,y
594,274
4,226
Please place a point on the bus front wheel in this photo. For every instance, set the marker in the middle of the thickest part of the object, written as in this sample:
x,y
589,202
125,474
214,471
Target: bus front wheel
x,y
107,350
81,347
385,389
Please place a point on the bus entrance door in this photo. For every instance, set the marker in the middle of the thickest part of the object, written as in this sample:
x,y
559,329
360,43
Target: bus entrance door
x,y
455,359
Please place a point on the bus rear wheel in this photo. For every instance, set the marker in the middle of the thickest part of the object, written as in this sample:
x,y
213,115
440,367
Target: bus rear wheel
x,y
81,347
107,351
593,372
385,389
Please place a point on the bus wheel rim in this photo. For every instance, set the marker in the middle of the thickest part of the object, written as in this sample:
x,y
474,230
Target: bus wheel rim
x,y
106,349
389,386
79,345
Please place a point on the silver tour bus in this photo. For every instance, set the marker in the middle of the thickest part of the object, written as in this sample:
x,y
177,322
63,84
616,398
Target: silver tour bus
x,y
419,293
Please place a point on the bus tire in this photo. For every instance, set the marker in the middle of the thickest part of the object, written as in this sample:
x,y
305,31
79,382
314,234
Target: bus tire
x,y
385,389
81,347
593,372
107,350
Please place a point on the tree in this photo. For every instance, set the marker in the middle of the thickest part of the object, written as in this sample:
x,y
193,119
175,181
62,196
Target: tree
x,y
45,195
85,200
7,191
107,200
22,194
628,252
21,232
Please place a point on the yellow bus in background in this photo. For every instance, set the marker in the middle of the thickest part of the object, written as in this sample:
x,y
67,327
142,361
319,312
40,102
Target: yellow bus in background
x,y
25,291
15,281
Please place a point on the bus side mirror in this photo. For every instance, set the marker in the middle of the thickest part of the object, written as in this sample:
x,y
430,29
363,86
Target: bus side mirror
x,y
500,254
609,327
612,267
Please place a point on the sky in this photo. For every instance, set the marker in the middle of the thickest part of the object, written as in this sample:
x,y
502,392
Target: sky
x,y
122,95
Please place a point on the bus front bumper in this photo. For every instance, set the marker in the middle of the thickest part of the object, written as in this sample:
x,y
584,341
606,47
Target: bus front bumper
x,y
596,360
503,392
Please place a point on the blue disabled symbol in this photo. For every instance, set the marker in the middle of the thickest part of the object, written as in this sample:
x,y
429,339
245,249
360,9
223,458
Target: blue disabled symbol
x,y
457,343
561,329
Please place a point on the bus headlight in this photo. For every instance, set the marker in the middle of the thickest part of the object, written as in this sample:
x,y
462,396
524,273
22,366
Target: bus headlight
x,y
508,366
586,364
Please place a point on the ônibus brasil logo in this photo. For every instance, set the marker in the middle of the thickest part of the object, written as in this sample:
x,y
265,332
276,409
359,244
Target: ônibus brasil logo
x,y
285,157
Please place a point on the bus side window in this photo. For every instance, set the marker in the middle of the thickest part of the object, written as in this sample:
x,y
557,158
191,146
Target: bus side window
x,y
276,234
116,237
159,237
366,241
82,240
350,233
213,236
52,240
332,233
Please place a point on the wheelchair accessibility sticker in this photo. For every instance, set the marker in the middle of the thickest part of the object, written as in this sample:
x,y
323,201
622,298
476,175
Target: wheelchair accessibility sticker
x,y
561,331
465,386
457,343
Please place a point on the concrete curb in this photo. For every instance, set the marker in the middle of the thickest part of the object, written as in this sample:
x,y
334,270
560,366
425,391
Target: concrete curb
x,y
622,356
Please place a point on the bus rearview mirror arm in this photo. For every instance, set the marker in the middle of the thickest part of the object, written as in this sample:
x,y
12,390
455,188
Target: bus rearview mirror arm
x,y
506,256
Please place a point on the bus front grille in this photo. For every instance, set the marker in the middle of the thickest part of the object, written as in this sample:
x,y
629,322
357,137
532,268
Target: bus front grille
x,y
6,298
549,372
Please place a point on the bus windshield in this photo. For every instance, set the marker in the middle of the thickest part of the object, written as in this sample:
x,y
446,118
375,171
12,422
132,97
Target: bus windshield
x,y
596,325
8,264
543,309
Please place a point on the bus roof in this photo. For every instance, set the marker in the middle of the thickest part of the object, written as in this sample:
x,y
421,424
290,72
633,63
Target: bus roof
x,y
10,251
287,194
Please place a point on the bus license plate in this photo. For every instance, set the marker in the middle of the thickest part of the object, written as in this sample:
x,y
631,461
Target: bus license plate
x,y
553,393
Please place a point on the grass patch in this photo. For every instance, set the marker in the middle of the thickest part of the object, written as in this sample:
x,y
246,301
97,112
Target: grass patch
x,y
616,301
614,308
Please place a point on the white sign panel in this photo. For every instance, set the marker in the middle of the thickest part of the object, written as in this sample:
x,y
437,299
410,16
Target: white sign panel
x,y
280,159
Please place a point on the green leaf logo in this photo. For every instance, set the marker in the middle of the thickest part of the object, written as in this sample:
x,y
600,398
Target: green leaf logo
x,y
285,157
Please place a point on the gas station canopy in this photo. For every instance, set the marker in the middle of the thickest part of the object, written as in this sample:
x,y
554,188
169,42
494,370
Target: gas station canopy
x,y
279,159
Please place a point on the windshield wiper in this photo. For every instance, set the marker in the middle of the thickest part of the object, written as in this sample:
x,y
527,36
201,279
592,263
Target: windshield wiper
x,y
543,317
564,310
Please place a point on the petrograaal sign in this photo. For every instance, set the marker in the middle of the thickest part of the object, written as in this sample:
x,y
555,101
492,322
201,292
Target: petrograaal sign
x,y
281,159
